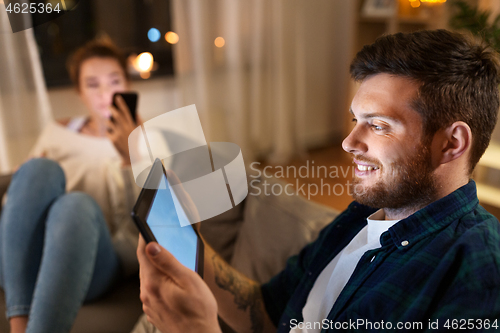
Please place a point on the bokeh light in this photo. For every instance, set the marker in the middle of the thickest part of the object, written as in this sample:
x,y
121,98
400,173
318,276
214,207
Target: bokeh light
x,y
145,62
171,37
219,42
154,35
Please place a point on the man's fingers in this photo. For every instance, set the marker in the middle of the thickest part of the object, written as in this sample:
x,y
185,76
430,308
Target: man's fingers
x,y
144,263
140,248
165,262
148,273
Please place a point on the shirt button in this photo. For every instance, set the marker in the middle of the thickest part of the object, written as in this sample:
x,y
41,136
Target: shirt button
x,y
404,243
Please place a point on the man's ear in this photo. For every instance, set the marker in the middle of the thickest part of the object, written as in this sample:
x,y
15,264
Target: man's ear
x,y
453,141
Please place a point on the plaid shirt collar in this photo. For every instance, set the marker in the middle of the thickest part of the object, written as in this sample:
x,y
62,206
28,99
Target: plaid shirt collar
x,y
432,218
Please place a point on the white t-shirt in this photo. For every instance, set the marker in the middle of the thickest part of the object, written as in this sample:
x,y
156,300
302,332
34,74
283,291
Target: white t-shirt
x,y
335,275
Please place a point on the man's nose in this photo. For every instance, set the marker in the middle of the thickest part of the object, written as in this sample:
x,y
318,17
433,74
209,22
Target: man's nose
x,y
354,142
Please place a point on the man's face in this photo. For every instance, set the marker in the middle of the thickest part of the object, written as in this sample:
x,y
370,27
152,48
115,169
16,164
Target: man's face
x,y
393,165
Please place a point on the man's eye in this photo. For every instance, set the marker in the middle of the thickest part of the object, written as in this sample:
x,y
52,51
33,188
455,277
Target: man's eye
x,y
354,120
115,82
92,85
377,128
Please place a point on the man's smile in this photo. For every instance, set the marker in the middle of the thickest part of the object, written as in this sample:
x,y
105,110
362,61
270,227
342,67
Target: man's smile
x,y
364,169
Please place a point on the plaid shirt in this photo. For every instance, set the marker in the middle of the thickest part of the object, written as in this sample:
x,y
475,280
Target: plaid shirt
x,y
441,263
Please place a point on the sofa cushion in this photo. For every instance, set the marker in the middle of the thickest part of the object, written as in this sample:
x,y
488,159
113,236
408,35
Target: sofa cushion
x,y
275,227
222,230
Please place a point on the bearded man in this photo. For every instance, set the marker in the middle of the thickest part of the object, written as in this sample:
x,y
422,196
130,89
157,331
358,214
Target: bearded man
x,y
415,251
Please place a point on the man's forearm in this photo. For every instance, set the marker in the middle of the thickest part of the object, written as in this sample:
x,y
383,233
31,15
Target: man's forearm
x,y
239,298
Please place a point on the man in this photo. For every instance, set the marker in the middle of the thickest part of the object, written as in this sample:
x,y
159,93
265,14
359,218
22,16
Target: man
x,y
415,250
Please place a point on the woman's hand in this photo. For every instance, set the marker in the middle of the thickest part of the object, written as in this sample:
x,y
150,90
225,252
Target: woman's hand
x,y
175,298
120,128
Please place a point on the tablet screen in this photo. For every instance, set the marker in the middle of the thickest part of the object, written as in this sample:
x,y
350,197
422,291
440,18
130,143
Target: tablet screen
x,y
164,223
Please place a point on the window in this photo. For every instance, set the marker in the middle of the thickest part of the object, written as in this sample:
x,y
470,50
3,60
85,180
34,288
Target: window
x,y
126,22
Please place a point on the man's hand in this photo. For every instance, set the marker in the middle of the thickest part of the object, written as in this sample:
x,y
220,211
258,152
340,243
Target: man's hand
x,y
175,299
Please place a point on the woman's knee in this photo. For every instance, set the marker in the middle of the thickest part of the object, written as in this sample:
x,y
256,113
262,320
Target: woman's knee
x,y
75,212
40,172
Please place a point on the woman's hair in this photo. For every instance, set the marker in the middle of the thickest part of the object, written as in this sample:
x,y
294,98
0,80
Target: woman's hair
x,y
100,48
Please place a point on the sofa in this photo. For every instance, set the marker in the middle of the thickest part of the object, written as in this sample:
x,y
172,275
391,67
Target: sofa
x,y
256,237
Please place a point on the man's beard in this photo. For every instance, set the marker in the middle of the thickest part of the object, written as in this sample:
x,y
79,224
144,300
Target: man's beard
x,y
411,184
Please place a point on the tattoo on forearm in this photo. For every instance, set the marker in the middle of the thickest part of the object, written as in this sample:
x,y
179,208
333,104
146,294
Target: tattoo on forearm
x,y
246,294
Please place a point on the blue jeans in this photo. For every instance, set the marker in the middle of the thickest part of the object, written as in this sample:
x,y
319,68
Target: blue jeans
x,y
55,249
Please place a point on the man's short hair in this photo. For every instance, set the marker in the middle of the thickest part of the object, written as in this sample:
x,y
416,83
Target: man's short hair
x,y
458,78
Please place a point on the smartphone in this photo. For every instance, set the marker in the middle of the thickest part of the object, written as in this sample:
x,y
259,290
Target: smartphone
x,y
157,219
130,99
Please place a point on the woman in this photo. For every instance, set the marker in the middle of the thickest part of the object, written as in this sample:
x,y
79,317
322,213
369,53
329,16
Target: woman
x,y
65,230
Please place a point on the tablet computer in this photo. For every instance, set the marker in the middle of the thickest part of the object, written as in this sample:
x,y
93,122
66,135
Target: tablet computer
x,y
158,220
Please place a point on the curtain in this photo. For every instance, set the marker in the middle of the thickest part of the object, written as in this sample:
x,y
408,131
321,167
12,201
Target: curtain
x,y
24,103
493,7
280,84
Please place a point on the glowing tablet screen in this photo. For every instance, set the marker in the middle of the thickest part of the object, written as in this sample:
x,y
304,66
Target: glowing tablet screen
x,y
164,222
